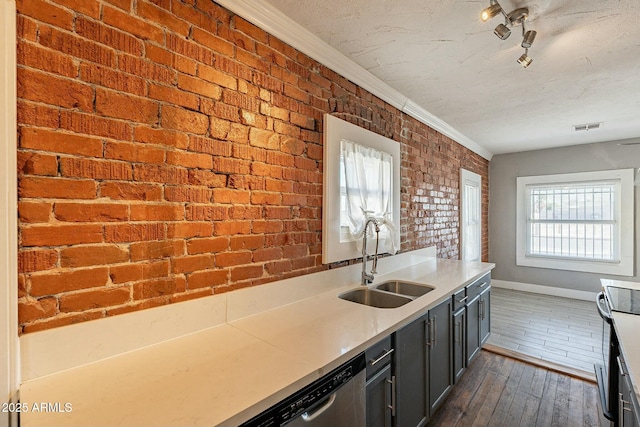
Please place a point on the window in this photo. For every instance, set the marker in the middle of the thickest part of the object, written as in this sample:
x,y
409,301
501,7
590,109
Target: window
x,y
471,199
361,177
579,221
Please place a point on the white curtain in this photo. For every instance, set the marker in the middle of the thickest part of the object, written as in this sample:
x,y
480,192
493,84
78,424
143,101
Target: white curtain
x,y
368,178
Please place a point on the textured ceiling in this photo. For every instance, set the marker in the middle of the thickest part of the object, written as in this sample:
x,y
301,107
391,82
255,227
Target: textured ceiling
x,y
586,64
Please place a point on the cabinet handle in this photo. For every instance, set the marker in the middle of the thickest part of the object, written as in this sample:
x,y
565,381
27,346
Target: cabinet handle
x,y
620,410
483,284
373,362
481,310
458,332
621,366
392,382
432,332
459,301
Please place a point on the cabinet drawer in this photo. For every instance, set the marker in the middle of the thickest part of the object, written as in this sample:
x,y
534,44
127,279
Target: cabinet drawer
x,y
474,289
459,299
378,356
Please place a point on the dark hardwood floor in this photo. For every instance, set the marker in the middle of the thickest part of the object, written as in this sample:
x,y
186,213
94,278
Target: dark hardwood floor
x,y
501,391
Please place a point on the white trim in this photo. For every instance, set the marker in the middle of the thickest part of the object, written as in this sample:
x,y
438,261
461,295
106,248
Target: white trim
x,y
273,21
476,181
9,345
545,290
335,130
625,208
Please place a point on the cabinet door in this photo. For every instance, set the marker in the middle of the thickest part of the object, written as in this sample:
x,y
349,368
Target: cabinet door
x,y
410,369
626,415
379,403
473,329
440,357
485,315
458,344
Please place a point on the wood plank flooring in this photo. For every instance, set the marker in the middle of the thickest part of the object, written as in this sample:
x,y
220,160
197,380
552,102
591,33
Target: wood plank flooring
x,y
500,391
564,331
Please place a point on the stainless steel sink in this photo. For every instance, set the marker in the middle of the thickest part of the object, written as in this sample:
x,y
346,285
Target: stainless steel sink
x,y
374,298
412,290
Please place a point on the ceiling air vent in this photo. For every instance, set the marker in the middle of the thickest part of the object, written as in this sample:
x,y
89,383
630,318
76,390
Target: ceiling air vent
x,y
587,126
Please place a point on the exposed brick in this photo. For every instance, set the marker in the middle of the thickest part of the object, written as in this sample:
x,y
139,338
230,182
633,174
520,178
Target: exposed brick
x,y
155,288
98,169
191,263
46,12
174,96
207,245
185,121
157,212
59,188
54,90
37,260
207,278
111,37
114,79
57,235
93,125
136,153
55,283
187,194
161,137
83,256
59,142
159,173
34,211
100,298
190,160
115,233
267,254
130,191
199,86
213,42
156,250
131,24
140,271
31,309
152,13
228,228
126,107
90,212
189,229
37,164
76,46
246,272
35,56
225,195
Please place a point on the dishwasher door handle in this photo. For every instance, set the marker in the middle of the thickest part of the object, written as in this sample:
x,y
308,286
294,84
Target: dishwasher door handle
x,y
308,417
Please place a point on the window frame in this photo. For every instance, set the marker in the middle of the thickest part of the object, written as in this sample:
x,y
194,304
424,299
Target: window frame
x,y
335,130
624,217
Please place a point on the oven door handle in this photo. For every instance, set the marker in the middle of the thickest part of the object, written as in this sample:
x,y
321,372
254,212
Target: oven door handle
x,y
604,311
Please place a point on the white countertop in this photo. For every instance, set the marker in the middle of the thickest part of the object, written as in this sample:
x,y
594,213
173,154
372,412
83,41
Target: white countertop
x,y
224,375
627,328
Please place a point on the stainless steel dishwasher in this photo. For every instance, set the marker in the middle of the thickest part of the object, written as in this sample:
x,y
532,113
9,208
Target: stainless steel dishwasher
x,y
336,400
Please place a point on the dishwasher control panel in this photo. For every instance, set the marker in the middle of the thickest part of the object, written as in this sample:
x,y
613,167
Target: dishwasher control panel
x,y
308,397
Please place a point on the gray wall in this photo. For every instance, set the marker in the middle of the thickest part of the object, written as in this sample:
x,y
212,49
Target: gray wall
x,y
503,171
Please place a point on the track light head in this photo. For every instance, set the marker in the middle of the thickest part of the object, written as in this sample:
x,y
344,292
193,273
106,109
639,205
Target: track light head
x,y
490,12
528,39
524,60
502,32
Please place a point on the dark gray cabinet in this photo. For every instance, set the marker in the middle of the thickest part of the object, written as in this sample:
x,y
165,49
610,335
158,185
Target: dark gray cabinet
x,y
485,315
379,385
411,374
478,320
627,404
459,340
440,354
379,398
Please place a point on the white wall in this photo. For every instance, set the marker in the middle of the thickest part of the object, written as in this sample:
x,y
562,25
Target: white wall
x,y
8,211
503,171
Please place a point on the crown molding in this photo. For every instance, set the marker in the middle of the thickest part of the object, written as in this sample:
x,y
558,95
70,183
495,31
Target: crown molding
x,y
273,21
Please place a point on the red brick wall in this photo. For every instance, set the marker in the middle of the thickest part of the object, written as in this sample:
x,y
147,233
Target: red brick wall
x,y
170,150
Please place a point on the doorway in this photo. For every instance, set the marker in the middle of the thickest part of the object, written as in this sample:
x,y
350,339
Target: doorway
x,y
471,216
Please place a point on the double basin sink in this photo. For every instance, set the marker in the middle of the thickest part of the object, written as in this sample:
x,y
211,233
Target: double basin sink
x,y
390,294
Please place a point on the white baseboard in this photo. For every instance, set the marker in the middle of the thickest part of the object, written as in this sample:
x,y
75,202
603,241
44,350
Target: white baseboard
x,y
545,290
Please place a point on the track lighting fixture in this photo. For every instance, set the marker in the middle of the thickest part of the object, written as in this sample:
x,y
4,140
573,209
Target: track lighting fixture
x,y
524,59
502,31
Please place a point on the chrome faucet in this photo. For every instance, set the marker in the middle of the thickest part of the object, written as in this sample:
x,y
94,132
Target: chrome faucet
x,y
368,277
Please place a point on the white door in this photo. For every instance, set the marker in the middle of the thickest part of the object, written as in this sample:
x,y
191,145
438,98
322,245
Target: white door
x,y
471,216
